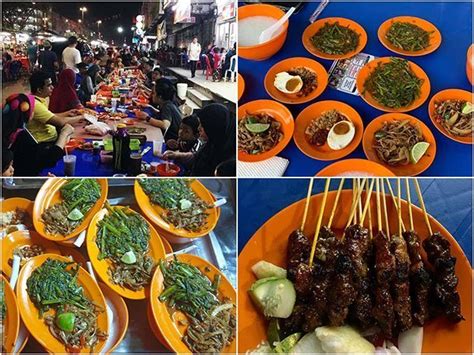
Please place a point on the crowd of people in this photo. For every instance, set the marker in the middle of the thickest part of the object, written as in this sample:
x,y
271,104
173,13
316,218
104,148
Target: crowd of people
x,y
36,126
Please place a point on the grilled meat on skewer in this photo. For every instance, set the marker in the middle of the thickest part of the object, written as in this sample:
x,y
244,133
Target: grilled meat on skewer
x,y
401,286
384,272
294,323
299,249
420,280
439,255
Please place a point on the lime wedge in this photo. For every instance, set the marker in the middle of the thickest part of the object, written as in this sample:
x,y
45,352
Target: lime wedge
x,y
467,109
129,257
417,151
75,215
65,321
257,127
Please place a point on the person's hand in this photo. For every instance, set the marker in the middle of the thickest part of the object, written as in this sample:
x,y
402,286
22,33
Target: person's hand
x,y
67,130
172,144
77,119
50,174
73,112
141,115
169,155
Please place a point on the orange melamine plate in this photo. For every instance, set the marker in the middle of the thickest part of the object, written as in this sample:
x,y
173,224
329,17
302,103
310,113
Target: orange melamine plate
x,y
19,239
30,314
240,86
311,30
435,35
11,323
101,267
170,328
323,152
367,97
119,324
154,212
450,94
270,243
49,195
355,168
155,329
281,114
75,254
400,170
11,204
287,64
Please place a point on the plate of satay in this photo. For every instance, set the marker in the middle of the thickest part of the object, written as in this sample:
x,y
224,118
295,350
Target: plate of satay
x,y
350,271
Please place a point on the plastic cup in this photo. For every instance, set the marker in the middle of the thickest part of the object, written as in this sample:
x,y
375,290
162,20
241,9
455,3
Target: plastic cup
x,y
157,148
154,166
114,104
135,164
69,165
182,88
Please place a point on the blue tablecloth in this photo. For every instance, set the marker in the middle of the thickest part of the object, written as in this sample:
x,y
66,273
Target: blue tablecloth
x,y
446,68
447,200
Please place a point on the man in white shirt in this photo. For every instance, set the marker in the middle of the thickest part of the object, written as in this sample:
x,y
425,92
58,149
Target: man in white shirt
x,y
194,50
71,56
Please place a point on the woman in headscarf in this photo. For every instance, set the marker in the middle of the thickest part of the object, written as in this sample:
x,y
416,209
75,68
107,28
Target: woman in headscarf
x,y
217,128
64,96
29,157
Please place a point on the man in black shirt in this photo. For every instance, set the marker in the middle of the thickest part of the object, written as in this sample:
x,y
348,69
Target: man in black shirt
x,y
48,61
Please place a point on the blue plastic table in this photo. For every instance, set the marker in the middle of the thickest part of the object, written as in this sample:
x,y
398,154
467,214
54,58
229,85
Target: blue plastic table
x,y
446,68
447,200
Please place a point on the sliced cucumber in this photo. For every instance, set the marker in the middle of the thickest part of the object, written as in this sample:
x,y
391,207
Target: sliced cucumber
x,y
274,296
264,269
287,344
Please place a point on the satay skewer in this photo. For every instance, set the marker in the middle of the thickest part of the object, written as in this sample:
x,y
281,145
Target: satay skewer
x,y
399,209
359,202
384,203
320,219
354,200
394,200
379,212
423,207
410,212
306,206
371,234
353,210
367,203
336,200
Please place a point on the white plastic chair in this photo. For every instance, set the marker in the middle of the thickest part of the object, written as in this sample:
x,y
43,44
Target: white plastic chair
x,y
232,69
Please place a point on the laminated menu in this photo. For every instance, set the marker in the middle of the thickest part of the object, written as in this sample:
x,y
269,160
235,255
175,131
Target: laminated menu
x,y
343,72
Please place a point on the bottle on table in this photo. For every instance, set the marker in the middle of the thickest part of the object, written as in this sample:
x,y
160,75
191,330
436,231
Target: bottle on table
x,y
121,147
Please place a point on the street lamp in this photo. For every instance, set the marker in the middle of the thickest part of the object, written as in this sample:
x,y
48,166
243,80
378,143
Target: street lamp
x,y
82,10
98,26
80,21
119,29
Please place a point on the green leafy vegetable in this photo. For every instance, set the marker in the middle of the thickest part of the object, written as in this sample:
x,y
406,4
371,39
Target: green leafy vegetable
x,y
408,36
333,38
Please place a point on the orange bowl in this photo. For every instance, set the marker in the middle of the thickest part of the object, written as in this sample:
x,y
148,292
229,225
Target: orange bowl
x,y
449,94
287,64
367,97
267,49
155,329
170,327
311,30
101,267
154,212
281,114
270,243
19,239
173,169
470,63
49,195
240,86
355,168
11,322
400,170
11,204
30,314
74,253
324,152
435,36
74,143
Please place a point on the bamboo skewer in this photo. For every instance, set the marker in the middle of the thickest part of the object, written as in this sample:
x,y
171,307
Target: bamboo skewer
x,y
367,202
385,209
359,202
394,201
336,200
370,215
379,212
423,207
354,199
306,207
353,209
320,219
410,212
399,210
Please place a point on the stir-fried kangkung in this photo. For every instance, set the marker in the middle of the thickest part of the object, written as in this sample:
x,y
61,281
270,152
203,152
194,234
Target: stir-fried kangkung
x,y
183,208
393,84
456,116
408,36
123,237
258,133
334,38
395,140
78,197
54,285
211,322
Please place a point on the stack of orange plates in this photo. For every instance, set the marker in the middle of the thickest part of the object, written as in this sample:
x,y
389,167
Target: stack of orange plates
x,y
170,330
101,267
11,323
30,314
154,213
270,243
48,195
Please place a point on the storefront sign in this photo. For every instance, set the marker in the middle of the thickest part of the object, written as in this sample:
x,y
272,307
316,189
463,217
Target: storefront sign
x,y
182,11
226,9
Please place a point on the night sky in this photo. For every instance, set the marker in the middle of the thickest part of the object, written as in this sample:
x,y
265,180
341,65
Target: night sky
x,y
112,15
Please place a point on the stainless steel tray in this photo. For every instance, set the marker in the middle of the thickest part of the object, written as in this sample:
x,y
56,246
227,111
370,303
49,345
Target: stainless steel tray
x,y
139,337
